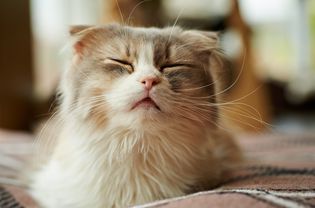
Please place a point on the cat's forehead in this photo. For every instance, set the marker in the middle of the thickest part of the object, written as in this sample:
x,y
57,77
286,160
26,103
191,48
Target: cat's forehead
x,y
149,33
128,34
147,43
164,44
136,42
138,36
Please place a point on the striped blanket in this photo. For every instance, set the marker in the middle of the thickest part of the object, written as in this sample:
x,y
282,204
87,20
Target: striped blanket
x,y
279,172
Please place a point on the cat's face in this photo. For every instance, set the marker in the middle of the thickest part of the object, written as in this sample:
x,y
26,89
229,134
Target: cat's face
x,y
126,74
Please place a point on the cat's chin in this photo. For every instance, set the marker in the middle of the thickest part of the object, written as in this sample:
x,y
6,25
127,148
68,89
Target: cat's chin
x,y
146,111
147,104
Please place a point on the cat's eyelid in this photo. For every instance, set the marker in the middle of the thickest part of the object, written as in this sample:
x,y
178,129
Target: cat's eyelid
x,y
174,65
120,61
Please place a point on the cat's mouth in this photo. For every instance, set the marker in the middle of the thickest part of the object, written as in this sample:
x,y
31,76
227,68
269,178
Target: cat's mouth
x,y
146,103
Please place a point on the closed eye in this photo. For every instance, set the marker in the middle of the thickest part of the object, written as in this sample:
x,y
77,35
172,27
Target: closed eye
x,y
126,64
175,65
121,61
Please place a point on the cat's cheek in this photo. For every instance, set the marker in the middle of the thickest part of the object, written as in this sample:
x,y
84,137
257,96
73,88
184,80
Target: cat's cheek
x,y
99,116
124,92
119,100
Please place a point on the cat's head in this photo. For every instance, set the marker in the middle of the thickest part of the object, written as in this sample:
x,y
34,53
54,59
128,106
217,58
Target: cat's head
x,y
127,74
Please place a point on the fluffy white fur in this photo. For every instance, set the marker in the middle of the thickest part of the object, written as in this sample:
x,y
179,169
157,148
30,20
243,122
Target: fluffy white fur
x,y
121,167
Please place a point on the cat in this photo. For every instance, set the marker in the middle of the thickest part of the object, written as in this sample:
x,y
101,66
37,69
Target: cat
x,y
138,119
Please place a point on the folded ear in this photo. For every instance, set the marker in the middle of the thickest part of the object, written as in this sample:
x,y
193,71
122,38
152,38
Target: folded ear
x,y
76,29
78,32
205,40
209,43
213,36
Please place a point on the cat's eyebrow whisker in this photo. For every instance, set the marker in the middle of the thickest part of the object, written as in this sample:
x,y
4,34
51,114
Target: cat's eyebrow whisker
x,y
133,9
176,20
120,12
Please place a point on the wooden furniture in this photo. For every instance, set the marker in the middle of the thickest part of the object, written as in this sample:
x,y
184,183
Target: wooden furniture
x,y
16,76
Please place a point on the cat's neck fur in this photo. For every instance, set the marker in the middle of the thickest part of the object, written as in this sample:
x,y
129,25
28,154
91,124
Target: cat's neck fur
x,y
168,156
118,141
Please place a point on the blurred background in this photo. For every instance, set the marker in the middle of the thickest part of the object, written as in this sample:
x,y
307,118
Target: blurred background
x,y
271,45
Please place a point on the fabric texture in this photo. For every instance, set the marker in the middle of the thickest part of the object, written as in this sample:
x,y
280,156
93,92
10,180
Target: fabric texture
x,y
7,200
279,171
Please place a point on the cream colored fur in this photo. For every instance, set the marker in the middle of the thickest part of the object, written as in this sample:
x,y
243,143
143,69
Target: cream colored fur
x,y
121,167
137,157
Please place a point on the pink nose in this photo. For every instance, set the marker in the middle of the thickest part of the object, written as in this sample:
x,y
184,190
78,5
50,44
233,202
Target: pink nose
x,y
149,82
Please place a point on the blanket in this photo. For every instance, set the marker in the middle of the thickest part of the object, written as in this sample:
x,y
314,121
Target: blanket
x,y
279,171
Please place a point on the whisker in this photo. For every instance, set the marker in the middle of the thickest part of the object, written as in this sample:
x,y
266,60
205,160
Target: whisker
x,y
196,88
237,78
237,104
120,12
176,20
248,116
134,8
227,107
247,95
